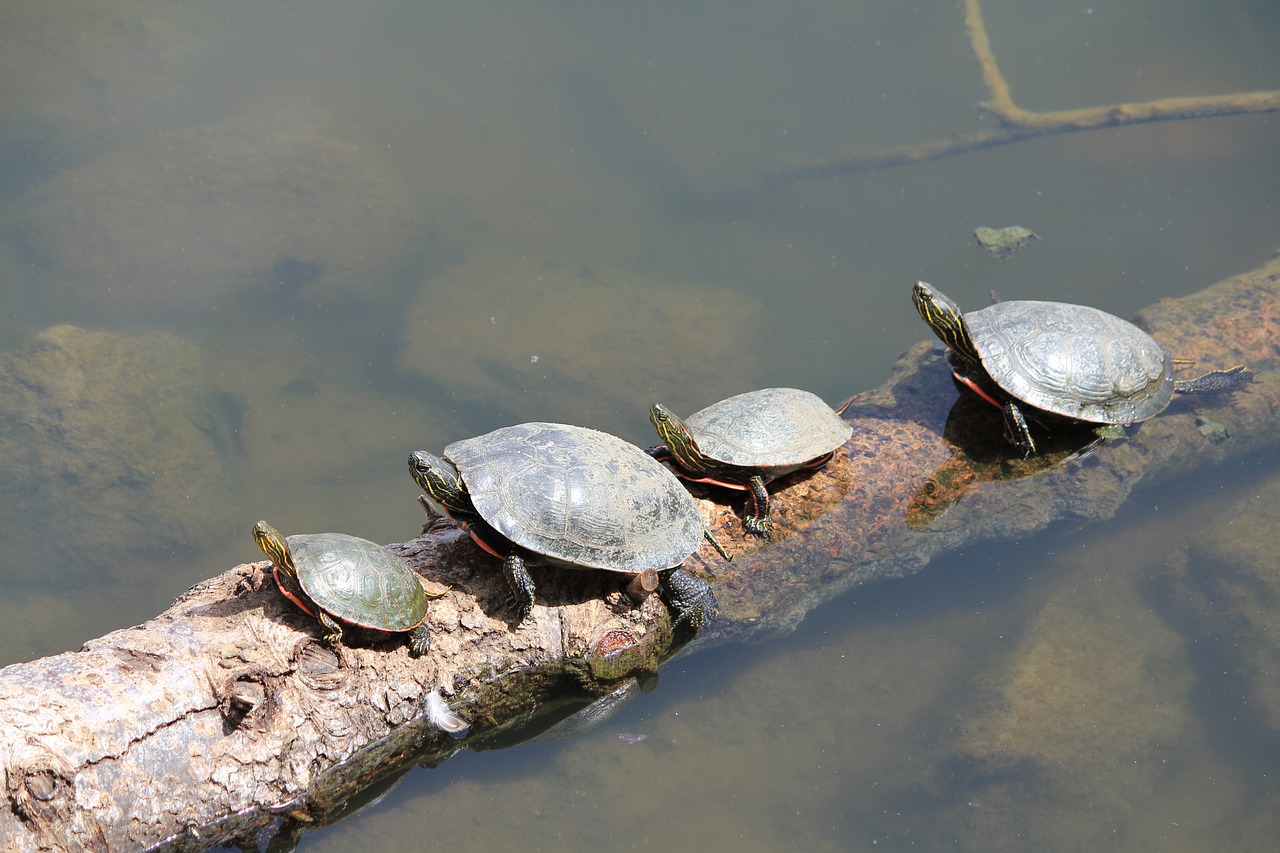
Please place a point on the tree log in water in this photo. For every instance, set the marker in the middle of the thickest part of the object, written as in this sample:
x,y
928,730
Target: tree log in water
x,y
224,716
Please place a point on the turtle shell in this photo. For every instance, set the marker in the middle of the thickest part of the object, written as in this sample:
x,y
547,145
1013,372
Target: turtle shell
x,y
1073,360
358,581
777,430
579,497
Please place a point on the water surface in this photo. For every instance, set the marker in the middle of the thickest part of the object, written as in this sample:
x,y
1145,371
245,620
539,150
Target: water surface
x,y
388,227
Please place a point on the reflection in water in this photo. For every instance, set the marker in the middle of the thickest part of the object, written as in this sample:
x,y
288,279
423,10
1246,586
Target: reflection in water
x,y
979,454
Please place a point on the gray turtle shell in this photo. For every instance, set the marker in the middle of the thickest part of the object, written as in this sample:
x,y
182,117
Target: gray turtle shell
x,y
358,581
580,497
775,428
1073,360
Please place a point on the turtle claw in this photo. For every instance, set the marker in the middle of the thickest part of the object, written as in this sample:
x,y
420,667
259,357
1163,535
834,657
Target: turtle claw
x,y
1016,430
332,636
691,600
759,526
756,517
521,585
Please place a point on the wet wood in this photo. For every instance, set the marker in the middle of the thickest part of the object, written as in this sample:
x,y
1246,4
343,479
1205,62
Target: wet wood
x,y
1016,124
224,717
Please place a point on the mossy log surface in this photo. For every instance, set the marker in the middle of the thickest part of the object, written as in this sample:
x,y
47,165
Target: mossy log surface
x,y
224,716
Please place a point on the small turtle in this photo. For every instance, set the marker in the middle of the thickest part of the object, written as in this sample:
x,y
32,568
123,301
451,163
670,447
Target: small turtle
x,y
571,497
748,440
339,578
1069,361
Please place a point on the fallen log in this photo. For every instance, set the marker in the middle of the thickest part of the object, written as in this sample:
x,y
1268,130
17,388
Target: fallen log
x,y
224,717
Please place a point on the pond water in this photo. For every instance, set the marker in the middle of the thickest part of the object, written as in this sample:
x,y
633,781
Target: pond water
x,y
386,226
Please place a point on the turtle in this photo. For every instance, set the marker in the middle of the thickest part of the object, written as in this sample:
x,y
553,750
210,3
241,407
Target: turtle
x,y
571,497
748,440
338,578
1070,361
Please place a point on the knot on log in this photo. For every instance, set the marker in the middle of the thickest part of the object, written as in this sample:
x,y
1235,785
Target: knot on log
x,y
242,699
319,667
41,789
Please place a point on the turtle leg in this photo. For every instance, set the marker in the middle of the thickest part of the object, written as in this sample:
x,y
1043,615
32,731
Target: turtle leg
x,y
756,517
333,631
420,640
1216,381
517,576
1016,431
690,599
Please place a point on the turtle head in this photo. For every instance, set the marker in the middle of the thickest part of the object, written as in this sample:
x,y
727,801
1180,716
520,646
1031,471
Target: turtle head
x,y
440,479
944,317
677,437
274,546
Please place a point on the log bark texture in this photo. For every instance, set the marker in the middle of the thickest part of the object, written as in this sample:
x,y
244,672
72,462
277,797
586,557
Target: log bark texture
x,y
224,716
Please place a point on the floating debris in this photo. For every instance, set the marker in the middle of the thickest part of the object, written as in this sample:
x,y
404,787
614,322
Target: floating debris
x,y
442,717
629,738
1002,242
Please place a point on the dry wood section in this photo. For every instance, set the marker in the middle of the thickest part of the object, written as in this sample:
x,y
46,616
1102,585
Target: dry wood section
x,y
224,715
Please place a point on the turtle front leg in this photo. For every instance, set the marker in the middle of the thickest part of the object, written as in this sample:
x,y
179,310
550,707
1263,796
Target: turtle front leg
x,y
521,585
1016,431
691,600
756,517
333,630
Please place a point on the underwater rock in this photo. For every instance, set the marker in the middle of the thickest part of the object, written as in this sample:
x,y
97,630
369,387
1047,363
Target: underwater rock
x,y
1225,587
1079,721
185,217
564,342
80,60
109,443
1000,243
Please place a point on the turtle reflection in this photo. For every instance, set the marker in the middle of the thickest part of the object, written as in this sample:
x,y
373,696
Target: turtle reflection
x,y
979,455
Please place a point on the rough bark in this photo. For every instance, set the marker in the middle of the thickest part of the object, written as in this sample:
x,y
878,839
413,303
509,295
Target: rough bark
x,y
224,717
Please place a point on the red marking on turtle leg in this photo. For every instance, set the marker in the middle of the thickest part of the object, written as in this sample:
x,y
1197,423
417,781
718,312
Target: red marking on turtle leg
x,y
287,593
977,389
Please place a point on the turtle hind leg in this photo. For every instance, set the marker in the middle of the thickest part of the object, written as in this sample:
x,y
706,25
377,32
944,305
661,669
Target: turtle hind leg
x,y
420,640
1216,381
756,517
333,631
1016,431
691,600
520,584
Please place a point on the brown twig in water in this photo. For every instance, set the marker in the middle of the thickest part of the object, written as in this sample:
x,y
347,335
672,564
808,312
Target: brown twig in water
x,y
1017,123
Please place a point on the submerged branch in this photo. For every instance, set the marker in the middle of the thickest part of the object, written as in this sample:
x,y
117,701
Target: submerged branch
x,y
1017,124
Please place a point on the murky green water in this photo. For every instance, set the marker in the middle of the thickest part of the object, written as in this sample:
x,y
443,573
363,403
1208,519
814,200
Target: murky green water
x,y
389,226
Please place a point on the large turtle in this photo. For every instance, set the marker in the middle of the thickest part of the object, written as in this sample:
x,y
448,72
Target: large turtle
x,y
748,440
572,497
1069,361
339,578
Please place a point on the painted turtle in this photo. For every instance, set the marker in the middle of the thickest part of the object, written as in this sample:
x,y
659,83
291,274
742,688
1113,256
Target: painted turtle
x,y
1070,361
572,497
748,440
338,578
